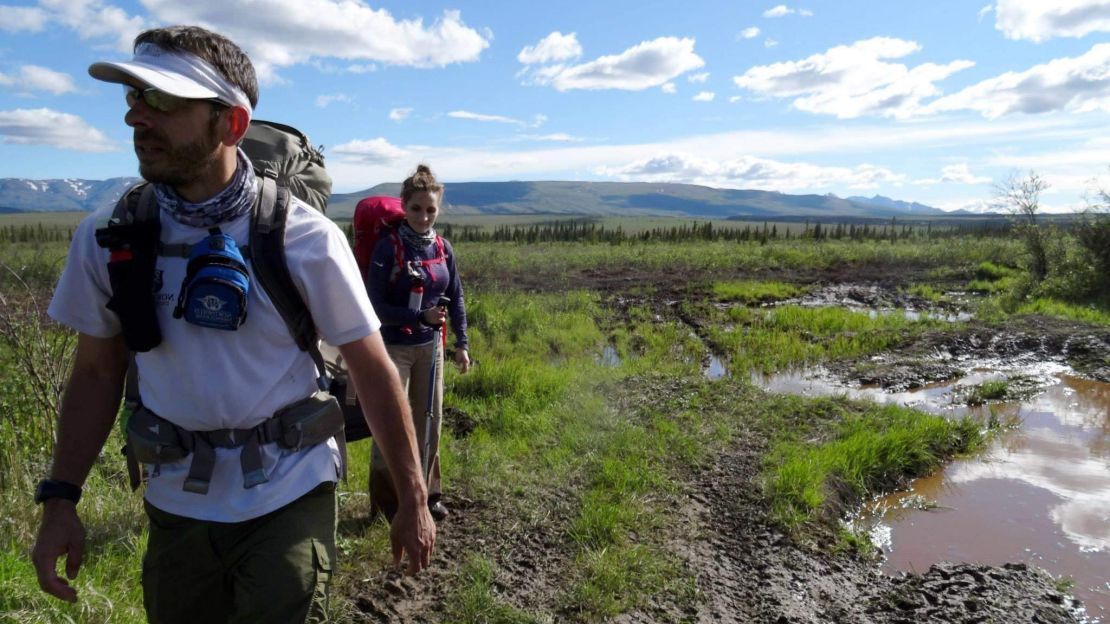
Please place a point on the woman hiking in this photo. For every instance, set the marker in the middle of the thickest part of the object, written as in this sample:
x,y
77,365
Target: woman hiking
x,y
415,288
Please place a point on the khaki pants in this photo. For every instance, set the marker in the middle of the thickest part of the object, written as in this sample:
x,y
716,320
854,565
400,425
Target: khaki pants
x,y
414,365
273,569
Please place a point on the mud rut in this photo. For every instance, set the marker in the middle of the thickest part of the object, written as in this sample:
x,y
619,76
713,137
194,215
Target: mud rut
x,y
745,569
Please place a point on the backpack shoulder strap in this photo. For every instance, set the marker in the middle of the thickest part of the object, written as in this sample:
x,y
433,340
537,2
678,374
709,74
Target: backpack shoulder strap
x,y
398,255
138,204
267,255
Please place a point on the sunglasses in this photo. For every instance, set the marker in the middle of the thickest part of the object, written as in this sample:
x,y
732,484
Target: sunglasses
x,y
160,100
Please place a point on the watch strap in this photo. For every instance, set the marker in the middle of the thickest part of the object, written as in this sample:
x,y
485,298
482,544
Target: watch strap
x,y
56,488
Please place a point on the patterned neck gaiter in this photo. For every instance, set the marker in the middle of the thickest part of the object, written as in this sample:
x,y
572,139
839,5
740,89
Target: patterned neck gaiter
x,y
414,238
234,201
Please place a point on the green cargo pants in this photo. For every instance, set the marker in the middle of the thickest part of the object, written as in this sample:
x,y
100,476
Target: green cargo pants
x,y
274,568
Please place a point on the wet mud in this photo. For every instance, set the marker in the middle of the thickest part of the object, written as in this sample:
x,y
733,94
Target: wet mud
x,y
940,355
747,570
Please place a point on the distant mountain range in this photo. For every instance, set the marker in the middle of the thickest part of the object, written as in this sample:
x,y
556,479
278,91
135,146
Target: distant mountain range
x,y
642,199
22,195
520,198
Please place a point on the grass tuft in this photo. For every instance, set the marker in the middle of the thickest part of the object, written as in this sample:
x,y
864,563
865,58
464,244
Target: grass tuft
x,y
874,449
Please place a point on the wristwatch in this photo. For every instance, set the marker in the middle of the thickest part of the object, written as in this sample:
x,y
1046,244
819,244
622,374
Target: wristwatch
x,y
54,488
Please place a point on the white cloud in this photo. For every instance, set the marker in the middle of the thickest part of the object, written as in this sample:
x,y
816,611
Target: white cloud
x,y
1040,20
956,174
1078,84
863,141
90,19
749,172
705,96
461,114
852,81
698,78
17,19
782,11
279,33
362,68
734,99
669,88
556,137
34,78
44,126
750,32
400,114
983,12
769,43
961,174
554,47
94,19
323,101
645,65
373,151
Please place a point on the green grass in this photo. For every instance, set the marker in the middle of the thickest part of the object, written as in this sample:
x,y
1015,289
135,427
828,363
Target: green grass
x,y
561,264
989,271
753,292
773,339
988,391
927,292
475,599
872,449
1071,311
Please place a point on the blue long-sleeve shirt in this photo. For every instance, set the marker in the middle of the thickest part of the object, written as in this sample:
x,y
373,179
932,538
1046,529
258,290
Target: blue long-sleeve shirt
x,y
400,324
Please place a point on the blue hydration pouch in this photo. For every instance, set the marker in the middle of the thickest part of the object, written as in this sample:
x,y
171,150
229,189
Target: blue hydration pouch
x,y
214,291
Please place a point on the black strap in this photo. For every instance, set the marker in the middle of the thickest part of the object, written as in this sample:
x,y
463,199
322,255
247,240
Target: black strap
x,y
267,252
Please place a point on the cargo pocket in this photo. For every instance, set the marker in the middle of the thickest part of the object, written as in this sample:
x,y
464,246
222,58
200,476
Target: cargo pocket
x,y
322,565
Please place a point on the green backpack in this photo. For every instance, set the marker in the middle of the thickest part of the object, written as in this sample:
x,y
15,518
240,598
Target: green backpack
x,y
285,154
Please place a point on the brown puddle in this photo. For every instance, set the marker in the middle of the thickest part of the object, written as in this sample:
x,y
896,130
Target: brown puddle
x,y
1039,494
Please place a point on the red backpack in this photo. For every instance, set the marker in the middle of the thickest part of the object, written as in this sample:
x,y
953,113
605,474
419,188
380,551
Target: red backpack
x,y
373,217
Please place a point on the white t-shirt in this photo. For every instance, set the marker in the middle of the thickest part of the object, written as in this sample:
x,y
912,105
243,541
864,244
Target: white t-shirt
x,y
203,379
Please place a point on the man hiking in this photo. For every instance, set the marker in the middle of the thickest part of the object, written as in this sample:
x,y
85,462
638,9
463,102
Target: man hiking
x,y
236,436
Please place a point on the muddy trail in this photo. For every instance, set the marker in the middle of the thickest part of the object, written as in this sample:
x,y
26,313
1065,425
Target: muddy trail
x,y
749,571
746,569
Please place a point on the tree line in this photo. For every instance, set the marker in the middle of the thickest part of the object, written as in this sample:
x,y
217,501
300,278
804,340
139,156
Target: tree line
x,y
592,231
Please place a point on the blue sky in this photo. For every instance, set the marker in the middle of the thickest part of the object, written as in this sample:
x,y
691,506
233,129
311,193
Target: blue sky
x,y
931,102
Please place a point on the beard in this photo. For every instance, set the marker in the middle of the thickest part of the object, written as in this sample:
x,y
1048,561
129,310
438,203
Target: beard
x,y
179,165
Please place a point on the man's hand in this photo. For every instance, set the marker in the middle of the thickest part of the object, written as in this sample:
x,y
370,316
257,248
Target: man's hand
x,y
89,405
61,533
413,531
390,419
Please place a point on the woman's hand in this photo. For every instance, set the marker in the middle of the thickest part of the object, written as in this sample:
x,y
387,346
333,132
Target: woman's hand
x,y
434,316
462,358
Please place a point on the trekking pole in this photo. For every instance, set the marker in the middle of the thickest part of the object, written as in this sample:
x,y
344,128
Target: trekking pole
x,y
429,413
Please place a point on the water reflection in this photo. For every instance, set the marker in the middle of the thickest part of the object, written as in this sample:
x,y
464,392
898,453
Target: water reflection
x,y
609,356
715,369
1040,493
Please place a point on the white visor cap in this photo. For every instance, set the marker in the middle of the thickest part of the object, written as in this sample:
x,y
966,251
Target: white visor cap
x,y
177,73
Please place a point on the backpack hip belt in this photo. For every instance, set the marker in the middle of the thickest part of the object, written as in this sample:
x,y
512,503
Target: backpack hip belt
x,y
152,439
